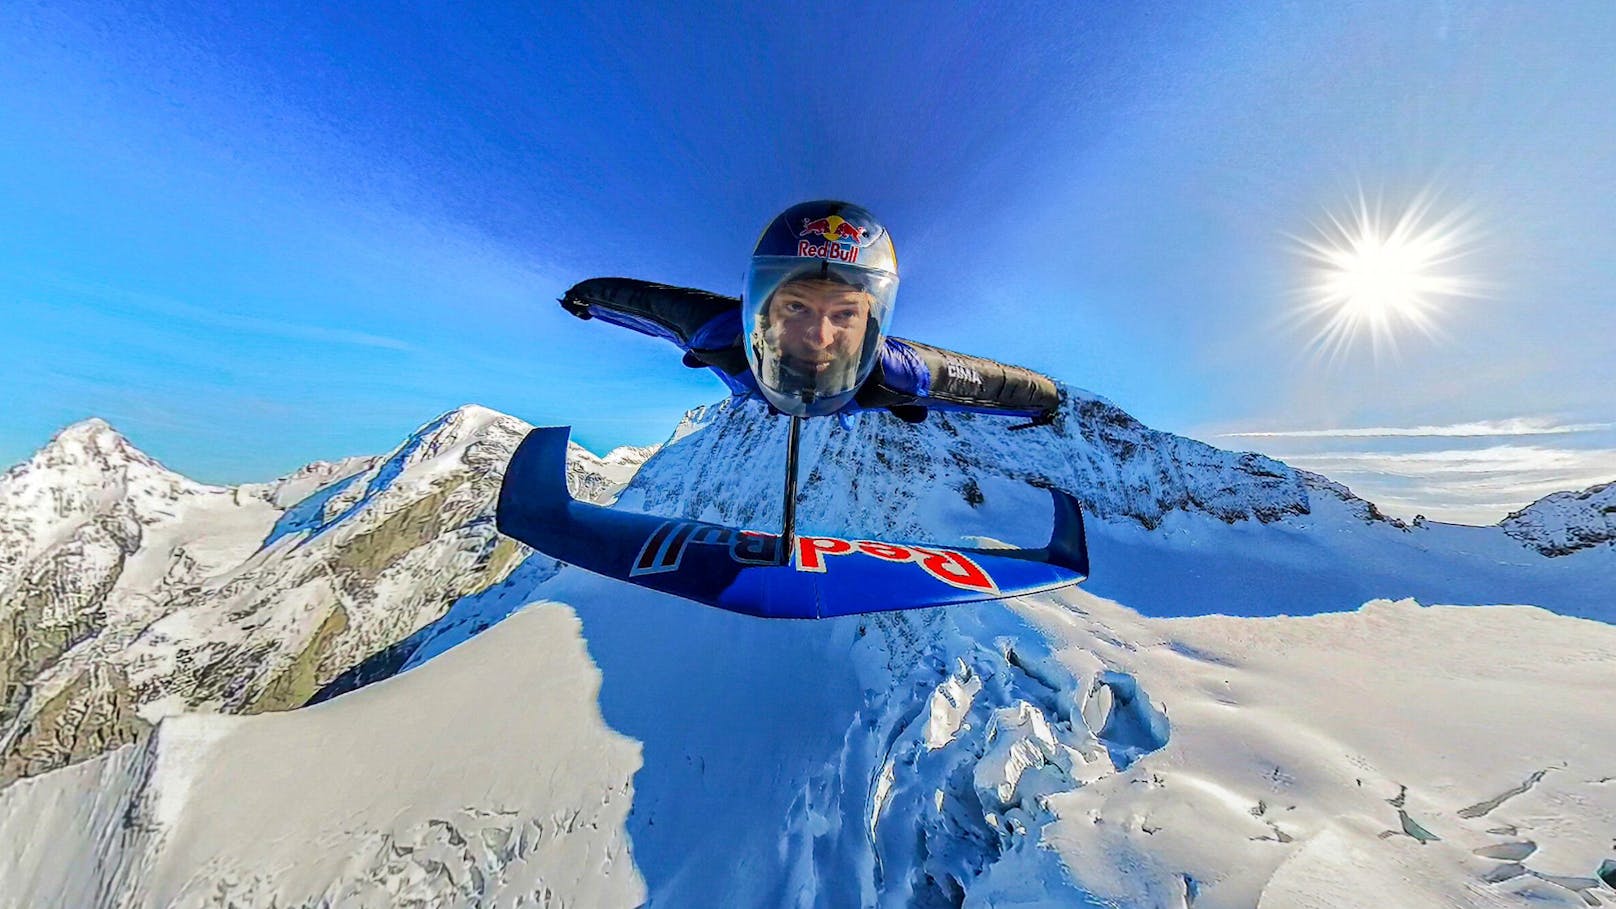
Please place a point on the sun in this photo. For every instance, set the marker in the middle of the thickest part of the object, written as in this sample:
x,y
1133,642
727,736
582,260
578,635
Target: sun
x,y
1374,274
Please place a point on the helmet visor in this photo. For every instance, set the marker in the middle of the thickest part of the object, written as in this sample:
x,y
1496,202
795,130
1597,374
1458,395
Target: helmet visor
x,y
813,329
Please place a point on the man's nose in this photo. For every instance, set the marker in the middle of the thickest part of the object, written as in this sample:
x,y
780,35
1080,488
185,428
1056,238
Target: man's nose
x,y
820,331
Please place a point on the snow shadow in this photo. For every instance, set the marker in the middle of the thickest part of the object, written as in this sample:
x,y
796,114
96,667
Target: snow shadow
x,y
786,762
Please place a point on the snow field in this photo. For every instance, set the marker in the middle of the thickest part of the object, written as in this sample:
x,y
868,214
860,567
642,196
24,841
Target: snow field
x,y
1310,756
609,744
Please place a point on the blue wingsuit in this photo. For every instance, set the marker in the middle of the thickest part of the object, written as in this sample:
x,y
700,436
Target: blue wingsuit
x,y
910,379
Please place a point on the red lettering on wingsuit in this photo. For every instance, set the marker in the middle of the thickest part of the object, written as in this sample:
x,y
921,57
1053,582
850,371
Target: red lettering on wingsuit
x,y
810,550
955,569
952,568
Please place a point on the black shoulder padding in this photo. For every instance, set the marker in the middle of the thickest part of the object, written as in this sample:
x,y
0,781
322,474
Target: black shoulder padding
x,y
679,310
731,360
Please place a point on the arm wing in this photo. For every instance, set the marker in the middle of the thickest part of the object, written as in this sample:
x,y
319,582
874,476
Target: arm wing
x,y
706,326
913,377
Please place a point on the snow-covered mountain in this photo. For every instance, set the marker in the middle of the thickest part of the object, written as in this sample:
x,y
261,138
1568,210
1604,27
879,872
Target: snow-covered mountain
x,y
604,745
1177,527
129,593
1116,465
1567,522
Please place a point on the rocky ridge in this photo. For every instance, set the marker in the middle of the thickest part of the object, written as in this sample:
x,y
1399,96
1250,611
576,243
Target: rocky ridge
x,y
129,593
1120,469
1567,522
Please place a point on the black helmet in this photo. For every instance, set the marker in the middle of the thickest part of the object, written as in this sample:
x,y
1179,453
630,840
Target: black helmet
x,y
816,301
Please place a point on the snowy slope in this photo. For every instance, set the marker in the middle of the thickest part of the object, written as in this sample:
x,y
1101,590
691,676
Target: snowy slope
x,y
1398,755
1054,751
394,796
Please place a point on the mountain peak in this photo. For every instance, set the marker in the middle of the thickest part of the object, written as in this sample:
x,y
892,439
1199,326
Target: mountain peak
x,y
89,453
474,412
630,455
1565,522
93,442
460,426
90,431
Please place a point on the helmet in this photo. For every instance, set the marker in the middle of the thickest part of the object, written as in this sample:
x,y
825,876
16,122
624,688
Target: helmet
x,y
816,300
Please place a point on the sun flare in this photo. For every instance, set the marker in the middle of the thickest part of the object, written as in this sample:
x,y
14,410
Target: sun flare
x,y
1375,275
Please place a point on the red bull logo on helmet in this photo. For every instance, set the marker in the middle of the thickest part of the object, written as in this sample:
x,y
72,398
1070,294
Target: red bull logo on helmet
x,y
839,238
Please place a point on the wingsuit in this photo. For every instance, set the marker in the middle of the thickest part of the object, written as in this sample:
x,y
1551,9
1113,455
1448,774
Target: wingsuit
x,y
910,379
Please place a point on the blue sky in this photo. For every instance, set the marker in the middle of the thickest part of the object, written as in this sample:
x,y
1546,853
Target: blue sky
x,y
251,239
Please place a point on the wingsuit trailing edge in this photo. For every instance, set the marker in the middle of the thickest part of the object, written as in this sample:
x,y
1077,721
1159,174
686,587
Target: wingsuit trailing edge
x,y
808,336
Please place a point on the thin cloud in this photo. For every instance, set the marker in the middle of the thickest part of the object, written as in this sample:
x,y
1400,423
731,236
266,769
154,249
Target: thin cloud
x,y
1498,458
298,332
1472,486
1518,426
203,316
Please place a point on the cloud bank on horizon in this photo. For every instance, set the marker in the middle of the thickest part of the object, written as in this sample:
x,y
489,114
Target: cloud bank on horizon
x,y
1518,426
1467,473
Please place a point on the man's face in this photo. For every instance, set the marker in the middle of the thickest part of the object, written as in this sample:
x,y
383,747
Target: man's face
x,y
818,324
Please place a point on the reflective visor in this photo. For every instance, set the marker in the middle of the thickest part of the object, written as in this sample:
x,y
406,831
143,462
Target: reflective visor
x,y
813,329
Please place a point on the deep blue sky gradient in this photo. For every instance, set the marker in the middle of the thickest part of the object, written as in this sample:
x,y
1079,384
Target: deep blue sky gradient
x,y
253,238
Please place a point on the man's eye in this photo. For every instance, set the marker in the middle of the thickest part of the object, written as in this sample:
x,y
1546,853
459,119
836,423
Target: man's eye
x,y
793,307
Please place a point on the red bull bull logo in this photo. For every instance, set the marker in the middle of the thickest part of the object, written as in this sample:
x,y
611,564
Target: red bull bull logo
x,y
839,239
